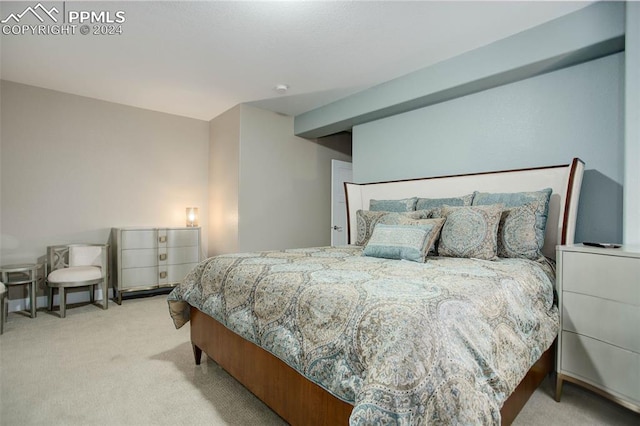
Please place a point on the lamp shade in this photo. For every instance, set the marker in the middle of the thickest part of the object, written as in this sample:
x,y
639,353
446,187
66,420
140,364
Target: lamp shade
x,y
192,216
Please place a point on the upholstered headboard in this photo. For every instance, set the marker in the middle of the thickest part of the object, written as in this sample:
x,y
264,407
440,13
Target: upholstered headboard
x,y
564,180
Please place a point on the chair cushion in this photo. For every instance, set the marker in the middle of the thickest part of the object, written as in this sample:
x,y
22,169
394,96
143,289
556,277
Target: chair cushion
x,y
75,274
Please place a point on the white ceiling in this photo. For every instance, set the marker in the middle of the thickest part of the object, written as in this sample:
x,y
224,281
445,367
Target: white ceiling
x,y
198,59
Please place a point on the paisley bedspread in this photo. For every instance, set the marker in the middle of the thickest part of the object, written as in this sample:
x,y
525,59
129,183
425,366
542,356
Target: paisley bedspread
x,y
441,342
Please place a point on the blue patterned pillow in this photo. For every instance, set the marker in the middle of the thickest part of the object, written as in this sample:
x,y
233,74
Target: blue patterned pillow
x,y
470,231
517,199
517,233
432,203
412,219
408,242
404,205
398,218
367,220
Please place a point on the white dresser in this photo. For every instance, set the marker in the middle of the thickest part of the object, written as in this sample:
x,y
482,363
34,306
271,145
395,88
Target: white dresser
x,y
150,258
599,340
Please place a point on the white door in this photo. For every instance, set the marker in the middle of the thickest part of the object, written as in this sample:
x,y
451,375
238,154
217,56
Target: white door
x,y
341,172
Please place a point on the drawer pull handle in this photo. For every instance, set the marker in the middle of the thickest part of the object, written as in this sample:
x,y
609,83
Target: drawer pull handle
x,y
163,274
163,256
163,239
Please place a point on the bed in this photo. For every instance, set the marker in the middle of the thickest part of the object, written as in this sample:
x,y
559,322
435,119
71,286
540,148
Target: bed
x,y
329,336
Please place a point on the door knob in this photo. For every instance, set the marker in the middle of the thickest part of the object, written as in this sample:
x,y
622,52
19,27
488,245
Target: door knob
x,y
337,228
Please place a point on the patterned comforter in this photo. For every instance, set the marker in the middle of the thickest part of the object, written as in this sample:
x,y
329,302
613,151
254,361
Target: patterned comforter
x,y
445,341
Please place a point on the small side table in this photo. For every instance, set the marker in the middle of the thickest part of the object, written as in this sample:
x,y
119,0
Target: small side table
x,y
22,274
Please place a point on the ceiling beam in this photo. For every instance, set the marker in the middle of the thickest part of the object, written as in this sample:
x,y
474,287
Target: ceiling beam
x,y
595,31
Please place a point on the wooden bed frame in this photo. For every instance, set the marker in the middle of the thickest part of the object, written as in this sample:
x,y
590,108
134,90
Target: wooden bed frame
x,y
300,401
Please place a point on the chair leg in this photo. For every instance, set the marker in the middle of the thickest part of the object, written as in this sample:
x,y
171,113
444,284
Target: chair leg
x,y
51,298
2,313
105,293
63,302
32,295
92,293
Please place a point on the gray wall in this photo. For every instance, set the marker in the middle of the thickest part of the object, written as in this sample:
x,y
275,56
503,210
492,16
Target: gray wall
x,y
73,167
224,174
285,184
545,120
268,188
632,126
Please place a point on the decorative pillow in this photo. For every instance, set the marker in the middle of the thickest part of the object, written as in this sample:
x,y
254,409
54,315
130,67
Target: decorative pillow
x,y
366,220
408,242
404,205
407,219
433,203
470,231
516,199
517,233
396,218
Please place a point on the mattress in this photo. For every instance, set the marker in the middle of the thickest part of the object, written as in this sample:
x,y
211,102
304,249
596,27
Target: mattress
x,y
445,341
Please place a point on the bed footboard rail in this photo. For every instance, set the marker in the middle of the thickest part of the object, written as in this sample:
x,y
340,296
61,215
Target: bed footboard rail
x,y
288,393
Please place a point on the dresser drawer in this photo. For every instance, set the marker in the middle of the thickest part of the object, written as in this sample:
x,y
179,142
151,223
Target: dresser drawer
x,y
600,364
592,274
138,239
182,237
139,258
139,277
177,255
584,315
176,273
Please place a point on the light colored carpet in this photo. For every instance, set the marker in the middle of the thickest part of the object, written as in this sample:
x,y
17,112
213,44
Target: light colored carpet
x,y
129,366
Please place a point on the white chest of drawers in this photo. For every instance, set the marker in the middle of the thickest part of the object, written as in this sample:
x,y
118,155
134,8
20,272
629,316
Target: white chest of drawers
x,y
599,339
150,258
